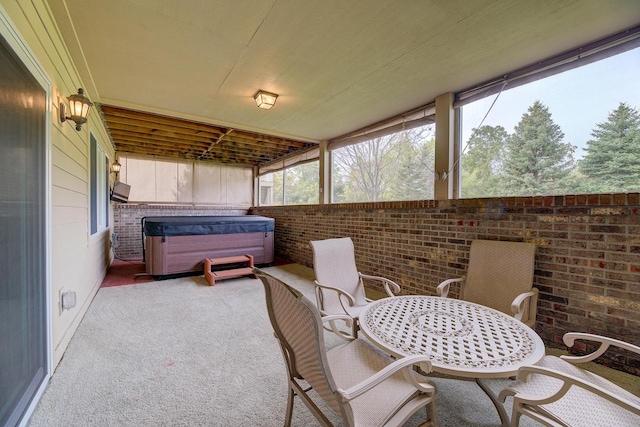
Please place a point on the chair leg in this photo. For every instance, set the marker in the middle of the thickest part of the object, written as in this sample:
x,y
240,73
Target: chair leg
x,y
431,421
515,417
431,413
289,413
355,326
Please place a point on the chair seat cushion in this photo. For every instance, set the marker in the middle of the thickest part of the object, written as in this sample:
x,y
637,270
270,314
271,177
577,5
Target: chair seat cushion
x,y
579,407
356,361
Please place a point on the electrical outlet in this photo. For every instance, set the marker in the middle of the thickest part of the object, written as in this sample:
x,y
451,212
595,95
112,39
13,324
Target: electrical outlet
x,y
60,292
68,300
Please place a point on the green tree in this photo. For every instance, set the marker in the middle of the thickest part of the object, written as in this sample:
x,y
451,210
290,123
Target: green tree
x,y
482,163
414,179
537,161
398,166
368,167
271,186
612,162
301,184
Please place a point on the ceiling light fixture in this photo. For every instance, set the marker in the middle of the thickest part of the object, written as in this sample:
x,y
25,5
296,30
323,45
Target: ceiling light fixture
x,y
79,106
264,99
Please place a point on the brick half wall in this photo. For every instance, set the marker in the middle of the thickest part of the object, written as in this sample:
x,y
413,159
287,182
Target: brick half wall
x,y
587,262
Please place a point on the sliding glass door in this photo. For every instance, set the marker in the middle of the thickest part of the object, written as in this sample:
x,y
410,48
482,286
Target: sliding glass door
x,y
23,332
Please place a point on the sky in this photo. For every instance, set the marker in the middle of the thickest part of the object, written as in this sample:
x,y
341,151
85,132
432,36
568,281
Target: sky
x,y
577,99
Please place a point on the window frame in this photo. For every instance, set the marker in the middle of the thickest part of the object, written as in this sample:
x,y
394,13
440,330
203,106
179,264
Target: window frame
x,y
99,189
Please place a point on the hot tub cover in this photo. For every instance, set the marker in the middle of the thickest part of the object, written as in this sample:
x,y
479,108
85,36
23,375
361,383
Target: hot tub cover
x,y
195,225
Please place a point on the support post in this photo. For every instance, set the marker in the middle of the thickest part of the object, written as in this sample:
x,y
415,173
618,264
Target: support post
x,y
445,146
324,169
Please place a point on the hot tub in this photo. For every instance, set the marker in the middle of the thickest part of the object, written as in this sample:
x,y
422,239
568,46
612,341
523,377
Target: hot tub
x,y
179,244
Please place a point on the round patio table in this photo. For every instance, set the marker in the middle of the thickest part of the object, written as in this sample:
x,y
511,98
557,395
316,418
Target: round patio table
x,y
462,339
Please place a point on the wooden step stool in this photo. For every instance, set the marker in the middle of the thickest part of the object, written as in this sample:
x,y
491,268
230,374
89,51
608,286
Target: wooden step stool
x,y
211,276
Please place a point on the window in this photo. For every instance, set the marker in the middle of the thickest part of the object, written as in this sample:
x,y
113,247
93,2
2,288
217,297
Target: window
x,y
296,185
271,189
301,184
573,132
398,166
99,187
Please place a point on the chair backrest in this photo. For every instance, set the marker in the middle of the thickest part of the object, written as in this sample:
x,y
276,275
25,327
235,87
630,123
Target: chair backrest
x,y
298,326
498,272
334,263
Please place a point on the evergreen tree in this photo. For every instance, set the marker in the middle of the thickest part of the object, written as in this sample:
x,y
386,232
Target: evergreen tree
x,y
612,162
482,162
537,161
414,179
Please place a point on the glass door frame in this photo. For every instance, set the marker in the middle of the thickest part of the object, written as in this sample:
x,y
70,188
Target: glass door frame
x,y
10,33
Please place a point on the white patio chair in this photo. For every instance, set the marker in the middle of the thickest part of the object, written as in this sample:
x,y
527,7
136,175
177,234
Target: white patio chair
x,y
558,393
360,384
500,276
339,284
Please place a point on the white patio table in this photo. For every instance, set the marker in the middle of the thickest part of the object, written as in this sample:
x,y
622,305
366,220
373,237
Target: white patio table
x,y
463,339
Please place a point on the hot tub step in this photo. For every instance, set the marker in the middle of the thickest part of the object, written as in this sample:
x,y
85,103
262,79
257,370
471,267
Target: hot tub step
x,y
211,276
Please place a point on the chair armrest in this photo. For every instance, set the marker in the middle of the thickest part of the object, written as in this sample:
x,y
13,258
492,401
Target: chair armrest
x,y
350,299
388,284
406,363
605,342
522,306
443,288
331,320
568,381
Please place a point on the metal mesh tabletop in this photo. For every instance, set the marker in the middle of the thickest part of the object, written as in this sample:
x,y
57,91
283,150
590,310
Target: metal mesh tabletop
x,y
462,338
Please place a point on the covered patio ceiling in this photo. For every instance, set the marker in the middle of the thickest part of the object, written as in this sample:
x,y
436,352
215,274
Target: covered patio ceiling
x,y
139,132
177,79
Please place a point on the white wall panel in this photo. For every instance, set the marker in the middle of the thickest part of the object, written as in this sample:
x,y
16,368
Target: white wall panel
x,y
185,182
207,183
239,186
141,176
166,180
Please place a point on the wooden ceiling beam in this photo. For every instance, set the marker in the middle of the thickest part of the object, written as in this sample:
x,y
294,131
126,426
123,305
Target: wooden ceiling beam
x,y
139,132
153,152
119,129
216,142
235,159
151,126
194,154
154,121
272,152
118,135
127,145
116,113
249,154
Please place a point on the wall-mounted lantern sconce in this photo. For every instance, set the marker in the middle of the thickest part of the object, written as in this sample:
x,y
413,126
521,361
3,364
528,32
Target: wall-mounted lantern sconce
x,y
115,168
264,99
79,106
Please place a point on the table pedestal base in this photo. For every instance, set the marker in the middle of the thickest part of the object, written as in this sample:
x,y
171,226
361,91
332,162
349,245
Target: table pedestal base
x,y
502,412
504,418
